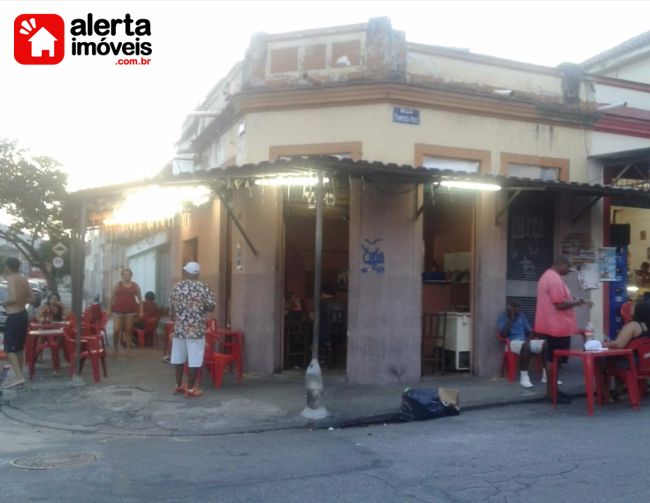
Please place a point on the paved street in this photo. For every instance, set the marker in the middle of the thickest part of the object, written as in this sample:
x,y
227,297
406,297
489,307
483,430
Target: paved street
x,y
516,453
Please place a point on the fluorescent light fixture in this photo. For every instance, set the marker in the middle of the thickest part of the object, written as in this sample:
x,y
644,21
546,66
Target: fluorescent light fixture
x,y
284,181
632,288
460,184
619,104
156,204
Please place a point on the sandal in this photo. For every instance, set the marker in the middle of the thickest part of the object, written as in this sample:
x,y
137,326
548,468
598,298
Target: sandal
x,y
193,392
180,389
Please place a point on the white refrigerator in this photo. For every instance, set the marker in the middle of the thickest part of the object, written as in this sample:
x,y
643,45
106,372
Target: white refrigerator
x,y
457,327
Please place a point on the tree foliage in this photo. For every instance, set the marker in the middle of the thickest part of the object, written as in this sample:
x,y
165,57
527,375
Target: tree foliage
x,y
32,193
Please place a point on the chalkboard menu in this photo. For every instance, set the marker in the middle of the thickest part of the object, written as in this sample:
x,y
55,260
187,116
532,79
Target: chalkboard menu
x,y
530,236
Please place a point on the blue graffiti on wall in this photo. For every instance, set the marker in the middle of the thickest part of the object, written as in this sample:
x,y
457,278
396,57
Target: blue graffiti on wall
x,y
373,257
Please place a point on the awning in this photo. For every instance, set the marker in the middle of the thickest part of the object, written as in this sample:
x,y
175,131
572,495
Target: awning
x,y
639,154
102,198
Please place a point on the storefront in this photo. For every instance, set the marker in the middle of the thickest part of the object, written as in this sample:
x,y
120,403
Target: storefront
x,y
384,227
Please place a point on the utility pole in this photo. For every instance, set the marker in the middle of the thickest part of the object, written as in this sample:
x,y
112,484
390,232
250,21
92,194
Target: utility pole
x,y
313,376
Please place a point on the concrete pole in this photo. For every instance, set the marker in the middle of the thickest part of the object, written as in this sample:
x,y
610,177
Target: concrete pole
x,y
313,376
77,269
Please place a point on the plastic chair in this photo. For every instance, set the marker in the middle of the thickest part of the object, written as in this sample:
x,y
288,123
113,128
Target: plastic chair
x,y
510,363
148,332
627,309
91,348
34,351
233,344
641,348
433,341
231,341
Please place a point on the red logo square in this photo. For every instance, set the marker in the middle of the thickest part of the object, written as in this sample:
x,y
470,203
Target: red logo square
x,y
39,39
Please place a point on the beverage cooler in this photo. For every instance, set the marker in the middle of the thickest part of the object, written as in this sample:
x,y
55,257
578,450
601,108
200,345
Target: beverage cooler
x,y
618,293
457,328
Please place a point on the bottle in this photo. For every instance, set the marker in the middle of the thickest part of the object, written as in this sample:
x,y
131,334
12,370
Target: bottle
x,y
589,331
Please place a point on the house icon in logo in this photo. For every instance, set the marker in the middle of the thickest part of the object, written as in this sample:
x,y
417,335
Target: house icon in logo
x,y
42,41
39,39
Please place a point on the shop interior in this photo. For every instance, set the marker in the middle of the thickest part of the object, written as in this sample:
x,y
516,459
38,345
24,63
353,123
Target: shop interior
x,y
299,235
628,232
637,221
448,219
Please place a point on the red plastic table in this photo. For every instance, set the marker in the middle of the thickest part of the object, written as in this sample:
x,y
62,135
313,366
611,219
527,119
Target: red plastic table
x,y
589,369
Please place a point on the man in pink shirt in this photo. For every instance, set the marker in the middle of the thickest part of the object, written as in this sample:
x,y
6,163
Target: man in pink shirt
x,y
555,319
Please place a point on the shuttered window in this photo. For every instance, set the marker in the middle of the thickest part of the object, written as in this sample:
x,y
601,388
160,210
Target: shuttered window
x,y
530,236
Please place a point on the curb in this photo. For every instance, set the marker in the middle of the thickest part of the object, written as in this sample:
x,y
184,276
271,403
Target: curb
x,y
388,417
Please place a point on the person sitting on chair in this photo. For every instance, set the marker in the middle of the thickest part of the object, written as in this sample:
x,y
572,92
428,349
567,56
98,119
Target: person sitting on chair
x,y
513,325
639,326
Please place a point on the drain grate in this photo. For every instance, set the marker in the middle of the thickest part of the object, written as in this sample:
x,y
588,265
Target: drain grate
x,y
46,461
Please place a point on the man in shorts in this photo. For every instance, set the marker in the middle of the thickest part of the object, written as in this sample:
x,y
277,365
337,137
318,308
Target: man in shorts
x,y
190,300
19,294
555,319
514,325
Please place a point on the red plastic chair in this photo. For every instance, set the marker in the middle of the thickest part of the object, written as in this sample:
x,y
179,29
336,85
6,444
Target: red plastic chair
x,y
232,342
510,363
217,361
626,311
147,333
91,348
35,348
641,348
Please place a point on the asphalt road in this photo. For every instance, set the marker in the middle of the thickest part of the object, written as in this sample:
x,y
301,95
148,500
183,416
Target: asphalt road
x,y
520,453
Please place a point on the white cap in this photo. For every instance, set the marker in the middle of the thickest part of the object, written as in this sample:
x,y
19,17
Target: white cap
x,y
192,268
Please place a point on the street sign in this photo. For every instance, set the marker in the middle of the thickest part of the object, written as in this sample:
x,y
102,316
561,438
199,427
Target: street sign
x,y
60,249
57,262
406,115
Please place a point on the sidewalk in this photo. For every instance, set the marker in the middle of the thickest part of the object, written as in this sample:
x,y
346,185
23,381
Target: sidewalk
x,y
136,399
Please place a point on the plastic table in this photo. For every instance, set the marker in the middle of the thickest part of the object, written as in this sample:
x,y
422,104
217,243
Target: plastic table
x,y
589,368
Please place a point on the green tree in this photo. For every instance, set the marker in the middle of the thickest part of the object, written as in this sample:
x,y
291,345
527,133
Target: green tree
x,y
32,192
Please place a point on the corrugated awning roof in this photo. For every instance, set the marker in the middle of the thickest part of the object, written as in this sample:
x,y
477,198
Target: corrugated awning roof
x,y
334,166
407,173
639,154
103,199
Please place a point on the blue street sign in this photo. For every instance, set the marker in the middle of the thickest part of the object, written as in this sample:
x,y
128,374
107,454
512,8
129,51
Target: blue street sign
x,y
405,115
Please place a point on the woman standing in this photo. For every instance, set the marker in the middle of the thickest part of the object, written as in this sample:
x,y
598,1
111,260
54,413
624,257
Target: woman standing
x,y
126,303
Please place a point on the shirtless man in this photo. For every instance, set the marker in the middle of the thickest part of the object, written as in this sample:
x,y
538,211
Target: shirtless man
x,y
18,295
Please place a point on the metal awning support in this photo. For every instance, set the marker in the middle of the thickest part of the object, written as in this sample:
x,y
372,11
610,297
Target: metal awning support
x,y
78,256
620,175
586,208
232,216
505,208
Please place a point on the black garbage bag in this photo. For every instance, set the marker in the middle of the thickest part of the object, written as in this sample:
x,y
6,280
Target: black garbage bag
x,y
424,403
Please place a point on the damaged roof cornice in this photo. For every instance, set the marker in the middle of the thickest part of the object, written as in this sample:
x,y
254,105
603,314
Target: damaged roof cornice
x,y
454,97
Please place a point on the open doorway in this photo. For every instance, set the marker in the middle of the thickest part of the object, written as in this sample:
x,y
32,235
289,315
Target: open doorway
x,y
448,221
299,235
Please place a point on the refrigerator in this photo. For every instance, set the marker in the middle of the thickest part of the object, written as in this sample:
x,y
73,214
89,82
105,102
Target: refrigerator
x,y
457,328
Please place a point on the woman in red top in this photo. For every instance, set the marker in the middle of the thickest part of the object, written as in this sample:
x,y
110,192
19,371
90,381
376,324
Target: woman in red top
x,y
126,303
